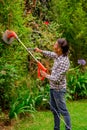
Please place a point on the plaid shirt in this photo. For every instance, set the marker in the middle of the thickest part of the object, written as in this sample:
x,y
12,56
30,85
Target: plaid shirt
x,y
58,75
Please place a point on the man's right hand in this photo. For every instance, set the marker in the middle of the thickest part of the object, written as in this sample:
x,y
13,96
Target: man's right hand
x,y
38,50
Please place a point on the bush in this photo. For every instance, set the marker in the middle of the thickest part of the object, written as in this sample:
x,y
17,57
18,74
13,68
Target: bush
x,y
72,20
77,84
8,75
29,99
22,105
12,57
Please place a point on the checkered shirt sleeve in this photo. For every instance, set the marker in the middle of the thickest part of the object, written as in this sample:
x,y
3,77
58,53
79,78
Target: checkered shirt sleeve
x,y
50,54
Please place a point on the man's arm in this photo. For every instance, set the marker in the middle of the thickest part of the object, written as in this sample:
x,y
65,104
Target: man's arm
x,y
47,53
50,54
62,68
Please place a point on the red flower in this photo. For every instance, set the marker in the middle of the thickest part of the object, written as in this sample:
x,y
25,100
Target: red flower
x,y
46,22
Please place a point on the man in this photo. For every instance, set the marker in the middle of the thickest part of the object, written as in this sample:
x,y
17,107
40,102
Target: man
x,y
57,81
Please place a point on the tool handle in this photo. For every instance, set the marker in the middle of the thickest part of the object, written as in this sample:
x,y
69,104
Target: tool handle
x,y
41,67
31,49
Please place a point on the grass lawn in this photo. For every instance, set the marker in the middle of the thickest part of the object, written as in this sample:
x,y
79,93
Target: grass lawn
x,y
43,120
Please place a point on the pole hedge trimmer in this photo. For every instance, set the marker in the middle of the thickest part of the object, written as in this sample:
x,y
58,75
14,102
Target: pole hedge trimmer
x,y
9,36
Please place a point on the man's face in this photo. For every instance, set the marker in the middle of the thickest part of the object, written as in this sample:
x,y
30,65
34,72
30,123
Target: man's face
x,y
57,48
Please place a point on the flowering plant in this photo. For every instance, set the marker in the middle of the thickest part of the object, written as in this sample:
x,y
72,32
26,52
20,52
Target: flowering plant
x,y
77,81
81,62
46,22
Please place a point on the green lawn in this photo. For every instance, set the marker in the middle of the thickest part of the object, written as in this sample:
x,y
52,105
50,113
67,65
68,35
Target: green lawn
x,y
43,120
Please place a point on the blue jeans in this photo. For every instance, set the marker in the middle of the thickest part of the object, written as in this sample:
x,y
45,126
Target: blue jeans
x,y
58,106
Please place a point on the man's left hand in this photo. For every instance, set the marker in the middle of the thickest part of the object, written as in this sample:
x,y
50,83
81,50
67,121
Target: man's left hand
x,y
44,74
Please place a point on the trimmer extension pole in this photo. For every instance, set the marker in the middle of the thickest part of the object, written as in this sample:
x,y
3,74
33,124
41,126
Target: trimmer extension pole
x,y
27,49
40,66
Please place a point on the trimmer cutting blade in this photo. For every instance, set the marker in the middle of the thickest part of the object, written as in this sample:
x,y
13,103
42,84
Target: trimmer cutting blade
x,y
8,36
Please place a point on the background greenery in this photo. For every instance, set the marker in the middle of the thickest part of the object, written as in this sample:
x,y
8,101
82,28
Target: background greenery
x,y
20,90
